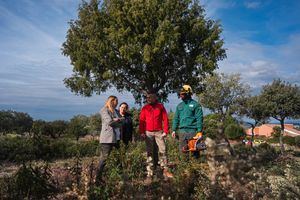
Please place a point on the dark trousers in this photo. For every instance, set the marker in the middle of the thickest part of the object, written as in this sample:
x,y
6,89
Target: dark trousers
x,y
106,148
183,141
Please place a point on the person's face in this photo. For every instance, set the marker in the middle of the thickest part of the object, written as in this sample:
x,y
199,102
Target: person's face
x,y
151,98
183,95
123,108
115,103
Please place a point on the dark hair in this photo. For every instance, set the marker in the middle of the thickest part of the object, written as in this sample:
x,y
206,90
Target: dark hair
x,y
151,91
124,104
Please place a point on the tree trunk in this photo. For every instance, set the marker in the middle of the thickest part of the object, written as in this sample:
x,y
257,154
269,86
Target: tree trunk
x,y
252,135
280,136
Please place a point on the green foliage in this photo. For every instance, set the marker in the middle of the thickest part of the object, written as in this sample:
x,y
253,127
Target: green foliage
x,y
297,141
94,124
243,151
16,149
282,100
212,122
78,126
210,125
289,140
266,153
123,165
58,128
234,131
29,182
12,121
20,149
128,44
135,113
276,132
253,108
223,93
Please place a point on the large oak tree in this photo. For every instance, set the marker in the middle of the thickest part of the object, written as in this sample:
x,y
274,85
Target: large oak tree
x,y
282,101
139,45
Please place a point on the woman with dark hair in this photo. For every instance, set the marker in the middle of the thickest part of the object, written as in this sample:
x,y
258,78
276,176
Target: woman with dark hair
x,y
127,127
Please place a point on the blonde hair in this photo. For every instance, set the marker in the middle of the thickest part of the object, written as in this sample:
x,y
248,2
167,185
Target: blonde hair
x,y
109,103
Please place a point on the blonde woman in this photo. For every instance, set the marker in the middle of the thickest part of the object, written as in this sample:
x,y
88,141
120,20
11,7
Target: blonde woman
x,y
110,132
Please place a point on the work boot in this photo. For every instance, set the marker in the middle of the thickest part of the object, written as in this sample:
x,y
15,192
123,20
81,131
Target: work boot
x,y
167,174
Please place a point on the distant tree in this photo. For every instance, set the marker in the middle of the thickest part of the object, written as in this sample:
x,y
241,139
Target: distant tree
x,y
78,126
211,121
254,108
23,122
282,101
6,121
234,131
39,128
12,121
141,45
222,95
58,128
94,124
276,132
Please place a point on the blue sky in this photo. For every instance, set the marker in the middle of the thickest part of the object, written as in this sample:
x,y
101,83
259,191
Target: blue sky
x,y
262,39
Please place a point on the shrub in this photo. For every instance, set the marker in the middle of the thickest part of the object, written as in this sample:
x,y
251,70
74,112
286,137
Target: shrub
x,y
276,132
22,149
289,140
297,140
29,182
243,151
88,148
266,153
234,131
16,149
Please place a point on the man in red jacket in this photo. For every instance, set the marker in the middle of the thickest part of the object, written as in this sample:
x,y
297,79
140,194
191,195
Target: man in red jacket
x,y
154,126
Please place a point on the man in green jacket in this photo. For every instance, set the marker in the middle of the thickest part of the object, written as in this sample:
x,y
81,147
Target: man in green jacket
x,y
188,119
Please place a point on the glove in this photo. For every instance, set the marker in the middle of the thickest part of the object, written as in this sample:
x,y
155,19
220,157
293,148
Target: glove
x,y
173,134
198,135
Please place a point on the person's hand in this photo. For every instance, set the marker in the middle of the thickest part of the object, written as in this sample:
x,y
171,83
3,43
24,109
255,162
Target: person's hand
x,y
164,134
143,135
173,134
117,119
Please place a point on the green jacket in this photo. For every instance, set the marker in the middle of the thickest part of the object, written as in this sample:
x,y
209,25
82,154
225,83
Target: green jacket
x,y
188,117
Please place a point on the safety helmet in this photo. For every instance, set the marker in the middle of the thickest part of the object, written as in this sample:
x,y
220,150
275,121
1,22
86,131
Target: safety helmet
x,y
186,89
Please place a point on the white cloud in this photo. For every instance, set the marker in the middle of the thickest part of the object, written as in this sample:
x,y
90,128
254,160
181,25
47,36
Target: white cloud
x,y
253,4
259,64
213,6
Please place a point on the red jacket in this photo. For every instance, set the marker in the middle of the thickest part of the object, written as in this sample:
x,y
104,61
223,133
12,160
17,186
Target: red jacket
x,y
154,118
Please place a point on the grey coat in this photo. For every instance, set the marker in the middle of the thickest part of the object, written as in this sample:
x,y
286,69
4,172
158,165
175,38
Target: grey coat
x,y
108,133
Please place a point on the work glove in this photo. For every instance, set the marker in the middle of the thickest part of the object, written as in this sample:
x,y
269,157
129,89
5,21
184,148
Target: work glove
x,y
173,134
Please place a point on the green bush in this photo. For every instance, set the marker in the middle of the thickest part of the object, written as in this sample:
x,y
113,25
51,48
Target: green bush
x,y
16,149
289,140
22,149
297,140
276,132
273,140
243,151
234,131
88,148
266,153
